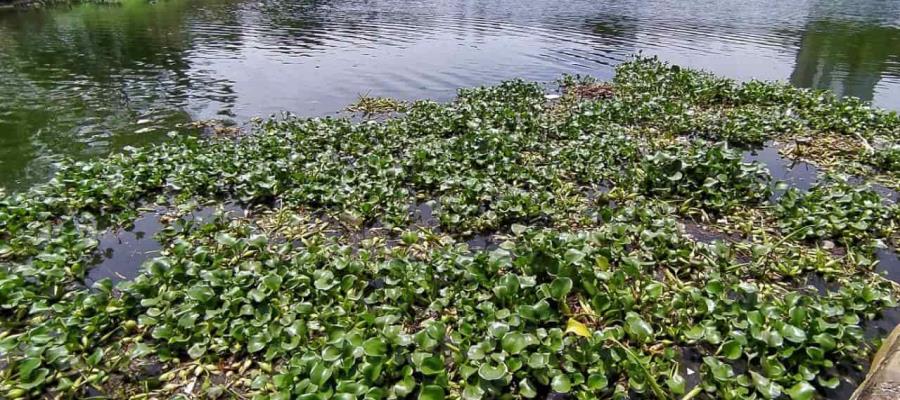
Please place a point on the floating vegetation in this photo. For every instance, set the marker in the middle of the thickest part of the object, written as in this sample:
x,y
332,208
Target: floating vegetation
x,y
712,176
585,88
369,105
887,159
744,125
214,127
836,210
350,275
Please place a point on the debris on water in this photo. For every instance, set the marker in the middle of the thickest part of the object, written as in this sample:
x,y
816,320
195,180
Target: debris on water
x,y
704,234
592,91
372,105
215,127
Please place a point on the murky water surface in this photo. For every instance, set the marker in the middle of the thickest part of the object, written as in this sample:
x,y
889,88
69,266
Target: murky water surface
x,y
88,80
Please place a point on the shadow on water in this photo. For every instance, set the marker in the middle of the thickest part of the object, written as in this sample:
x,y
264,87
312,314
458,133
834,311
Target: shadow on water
x,y
122,251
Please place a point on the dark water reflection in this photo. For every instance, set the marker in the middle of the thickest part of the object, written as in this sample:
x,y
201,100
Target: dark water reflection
x,y
797,174
88,80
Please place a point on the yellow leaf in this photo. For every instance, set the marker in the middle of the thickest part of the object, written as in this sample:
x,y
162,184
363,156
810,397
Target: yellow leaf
x,y
576,327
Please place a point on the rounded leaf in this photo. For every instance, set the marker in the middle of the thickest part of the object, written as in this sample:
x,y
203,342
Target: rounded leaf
x,y
375,347
490,372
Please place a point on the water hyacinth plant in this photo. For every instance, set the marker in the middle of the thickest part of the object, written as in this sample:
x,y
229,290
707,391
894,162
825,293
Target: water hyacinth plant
x,y
503,245
836,210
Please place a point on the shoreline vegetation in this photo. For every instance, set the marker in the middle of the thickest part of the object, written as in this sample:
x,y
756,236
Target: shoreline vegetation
x,y
608,241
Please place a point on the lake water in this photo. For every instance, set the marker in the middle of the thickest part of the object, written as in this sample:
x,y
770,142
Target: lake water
x,y
87,80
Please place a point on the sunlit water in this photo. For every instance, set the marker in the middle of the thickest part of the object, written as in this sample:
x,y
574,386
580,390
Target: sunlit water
x,y
88,80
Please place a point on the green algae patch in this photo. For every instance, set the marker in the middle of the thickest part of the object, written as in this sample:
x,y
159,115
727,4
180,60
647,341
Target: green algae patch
x,y
503,245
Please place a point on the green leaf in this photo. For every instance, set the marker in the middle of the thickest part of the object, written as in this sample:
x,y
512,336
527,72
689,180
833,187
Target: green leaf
x,y
95,357
324,280
527,389
27,366
772,367
257,343
375,347
597,382
561,383
676,383
653,290
272,281
331,353
576,327
560,288
37,379
793,333
513,342
226,240
498,329
574,256
473,392
477,351
201,293
431,392
826,341
405,386
830,383
197,350
765,387
518,229
319,374
538,360
432,365
637,327
695,333
141,350
732,350
721,372
490,372
801,391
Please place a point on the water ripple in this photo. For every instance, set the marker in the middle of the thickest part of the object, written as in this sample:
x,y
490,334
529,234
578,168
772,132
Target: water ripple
x,y
76,81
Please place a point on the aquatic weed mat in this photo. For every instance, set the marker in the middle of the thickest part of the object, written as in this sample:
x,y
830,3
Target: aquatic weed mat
x,y
606,242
